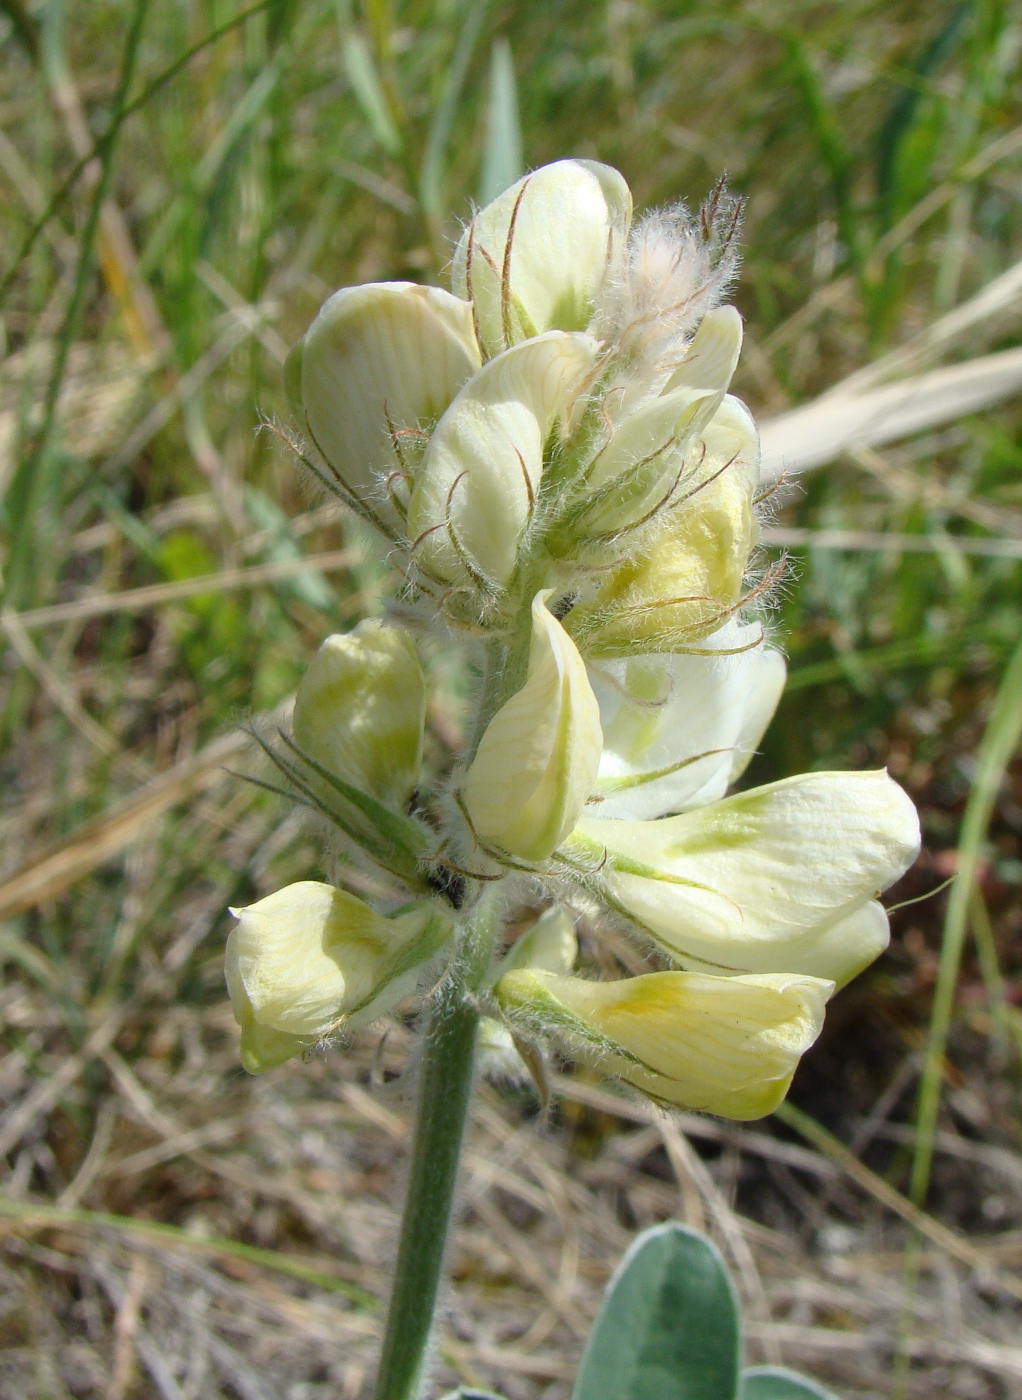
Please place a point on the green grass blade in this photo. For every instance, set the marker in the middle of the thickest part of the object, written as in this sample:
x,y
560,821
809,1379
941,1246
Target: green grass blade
x,y
52,1217
432,177
999,745
503,158
361,70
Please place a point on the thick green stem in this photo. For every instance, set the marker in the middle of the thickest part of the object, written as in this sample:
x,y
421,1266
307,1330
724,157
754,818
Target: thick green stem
x,y
445,1089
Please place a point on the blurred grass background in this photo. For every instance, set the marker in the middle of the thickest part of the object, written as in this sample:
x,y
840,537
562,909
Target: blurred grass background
x,y
182,185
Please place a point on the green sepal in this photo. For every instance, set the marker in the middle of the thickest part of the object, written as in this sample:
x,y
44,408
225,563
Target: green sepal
x,y
548,1016
668,1328
403,832
778,1383
435,933
380,845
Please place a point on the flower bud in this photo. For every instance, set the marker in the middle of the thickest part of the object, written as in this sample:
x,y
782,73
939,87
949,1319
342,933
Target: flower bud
x,y
781,878
549,946
645,464
681,587
712,356
678,730
536,259
538,757
484,463
724,1045
360,711
302,961
379,361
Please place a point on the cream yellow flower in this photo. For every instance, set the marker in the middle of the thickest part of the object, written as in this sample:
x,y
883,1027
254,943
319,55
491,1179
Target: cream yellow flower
x,y
538,758
725,1045
783,878
303,961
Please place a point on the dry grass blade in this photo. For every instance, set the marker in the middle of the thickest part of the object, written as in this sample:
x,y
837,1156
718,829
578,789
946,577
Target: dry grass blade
x,y
961,1249
51,683
47,1092
792,537
159,594
49,874
818,432
30,1217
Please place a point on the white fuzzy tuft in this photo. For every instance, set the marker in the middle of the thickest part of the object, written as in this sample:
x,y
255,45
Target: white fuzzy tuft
x,y
675,269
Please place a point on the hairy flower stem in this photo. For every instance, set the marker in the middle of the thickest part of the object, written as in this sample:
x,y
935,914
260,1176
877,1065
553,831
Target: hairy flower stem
x,y
445,1088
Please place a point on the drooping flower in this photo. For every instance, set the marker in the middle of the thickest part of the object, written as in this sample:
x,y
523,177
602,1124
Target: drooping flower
x,y
537,760
301,962
782,878
726,1045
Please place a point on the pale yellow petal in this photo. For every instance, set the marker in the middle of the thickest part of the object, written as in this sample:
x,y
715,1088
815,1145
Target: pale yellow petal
x,y
380,356
484,463
712,357
758,881
725,1045
538,757
551,945
569,224
694,719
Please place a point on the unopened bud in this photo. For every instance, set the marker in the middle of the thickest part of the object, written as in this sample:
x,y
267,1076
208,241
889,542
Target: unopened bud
x,y
482,470
536,258
549,946
683,586
538,758
379,363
